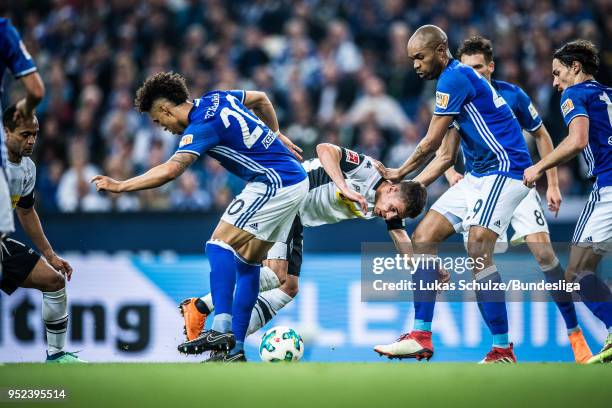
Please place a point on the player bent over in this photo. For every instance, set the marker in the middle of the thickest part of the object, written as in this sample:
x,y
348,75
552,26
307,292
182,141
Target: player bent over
x,y
22,266
240,130
480,203
528,220
586,106
343,185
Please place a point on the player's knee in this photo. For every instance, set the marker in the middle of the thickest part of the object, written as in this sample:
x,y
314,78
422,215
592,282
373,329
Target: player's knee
x,y
545,257
55,282
290,287
570,274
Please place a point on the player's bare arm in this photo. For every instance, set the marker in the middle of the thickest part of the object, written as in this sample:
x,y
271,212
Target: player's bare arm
x,y
155,177
35,92
577,139
545,147
29,220
444,160
260,104
330,156
427,146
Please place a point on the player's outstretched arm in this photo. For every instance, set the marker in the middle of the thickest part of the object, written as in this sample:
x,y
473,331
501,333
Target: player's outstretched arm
x,y
545,147
28,217
444,160
35,92
155,177
427,146
401,240
573,144
330,156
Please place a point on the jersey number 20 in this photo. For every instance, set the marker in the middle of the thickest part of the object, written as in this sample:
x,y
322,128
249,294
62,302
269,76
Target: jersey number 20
x,y
249,138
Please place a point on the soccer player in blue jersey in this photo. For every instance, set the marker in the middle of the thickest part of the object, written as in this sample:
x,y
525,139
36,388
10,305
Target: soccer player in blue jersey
x,y
528,219
240,130
586,106
15,57
498,156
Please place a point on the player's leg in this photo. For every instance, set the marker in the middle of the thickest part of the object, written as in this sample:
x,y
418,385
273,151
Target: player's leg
x,y
491,211
531,227
286,260
23,263
432,230
259,216
592,238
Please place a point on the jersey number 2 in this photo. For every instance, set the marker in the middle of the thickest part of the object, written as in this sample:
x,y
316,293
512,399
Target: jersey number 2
x,y
249,138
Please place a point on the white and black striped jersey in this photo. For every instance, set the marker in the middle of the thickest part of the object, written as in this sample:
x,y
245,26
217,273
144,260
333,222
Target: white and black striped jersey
x,y
324,203
21,180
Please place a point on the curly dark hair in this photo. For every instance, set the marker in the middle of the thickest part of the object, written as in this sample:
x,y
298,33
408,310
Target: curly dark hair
x,y
476,45
168,85
582,51
414,194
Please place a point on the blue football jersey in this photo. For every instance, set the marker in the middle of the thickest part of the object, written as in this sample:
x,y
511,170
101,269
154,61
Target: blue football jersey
x,y
491,136
222,127
520,103
593,100
15,57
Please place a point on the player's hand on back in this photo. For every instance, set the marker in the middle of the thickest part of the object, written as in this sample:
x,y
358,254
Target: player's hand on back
x,y
357,198
293,148
553,198
387,173
104,183
59,264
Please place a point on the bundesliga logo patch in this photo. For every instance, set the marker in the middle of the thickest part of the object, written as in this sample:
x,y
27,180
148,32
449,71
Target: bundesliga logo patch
x,y
185,140
442,100
567,107
533,111
352,157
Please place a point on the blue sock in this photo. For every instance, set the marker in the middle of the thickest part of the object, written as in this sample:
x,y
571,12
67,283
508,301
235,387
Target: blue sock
x,y
424,300
563,299
247,290
493,307
238,347
222,283
597,297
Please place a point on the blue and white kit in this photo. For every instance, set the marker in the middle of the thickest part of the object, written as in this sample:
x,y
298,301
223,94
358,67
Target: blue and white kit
x,y
494,148
594,101
222,127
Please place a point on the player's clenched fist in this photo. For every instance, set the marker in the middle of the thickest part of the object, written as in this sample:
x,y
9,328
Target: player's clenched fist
x,y
531,175
104,183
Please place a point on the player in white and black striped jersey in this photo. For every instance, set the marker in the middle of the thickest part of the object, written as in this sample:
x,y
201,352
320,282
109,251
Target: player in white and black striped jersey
x,y
343,185
23,266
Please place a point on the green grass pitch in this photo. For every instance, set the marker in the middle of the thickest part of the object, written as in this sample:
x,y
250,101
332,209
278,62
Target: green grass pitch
x,y
314,385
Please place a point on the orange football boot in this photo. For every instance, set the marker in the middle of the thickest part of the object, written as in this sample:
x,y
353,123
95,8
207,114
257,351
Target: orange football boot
x,y
582,352
194,319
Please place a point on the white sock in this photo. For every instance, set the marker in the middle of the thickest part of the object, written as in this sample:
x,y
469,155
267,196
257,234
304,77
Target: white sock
x,y
207,299
55,316
267,306
267,281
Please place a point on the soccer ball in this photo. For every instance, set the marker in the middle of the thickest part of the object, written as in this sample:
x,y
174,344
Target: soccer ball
x,y
281,343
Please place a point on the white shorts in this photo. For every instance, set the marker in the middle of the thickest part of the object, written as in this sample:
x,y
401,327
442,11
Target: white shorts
x,y
278,251
487,201
265,211
594,227
7,223
528,218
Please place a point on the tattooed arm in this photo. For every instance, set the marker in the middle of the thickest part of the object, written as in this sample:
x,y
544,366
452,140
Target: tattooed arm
x,y
157,176
427,146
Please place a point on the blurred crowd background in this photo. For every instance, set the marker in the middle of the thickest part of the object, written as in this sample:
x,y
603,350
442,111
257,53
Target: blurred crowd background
x,y
335,70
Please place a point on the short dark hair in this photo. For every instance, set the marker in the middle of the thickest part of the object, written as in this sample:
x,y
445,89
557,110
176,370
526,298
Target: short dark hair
x,y
7,118
414,195
168,85
583,51
476,45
